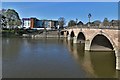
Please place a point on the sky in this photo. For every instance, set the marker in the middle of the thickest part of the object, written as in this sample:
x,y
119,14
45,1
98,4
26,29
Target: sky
x,y
60,0
68,10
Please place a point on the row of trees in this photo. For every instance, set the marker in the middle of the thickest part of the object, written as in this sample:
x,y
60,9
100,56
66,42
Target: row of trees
x,y
105,22
9,18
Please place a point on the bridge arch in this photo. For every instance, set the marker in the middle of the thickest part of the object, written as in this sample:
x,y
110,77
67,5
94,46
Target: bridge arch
x,y
72,34
81,37
103,41
67,33
63,33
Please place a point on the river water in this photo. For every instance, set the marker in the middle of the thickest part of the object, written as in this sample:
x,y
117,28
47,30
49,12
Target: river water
x,y
54,58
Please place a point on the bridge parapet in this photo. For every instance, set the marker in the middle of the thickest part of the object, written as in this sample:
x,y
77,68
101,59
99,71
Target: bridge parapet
x,y
95,27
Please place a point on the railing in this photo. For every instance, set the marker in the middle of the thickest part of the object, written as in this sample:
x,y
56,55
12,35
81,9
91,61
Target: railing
x,y
96,27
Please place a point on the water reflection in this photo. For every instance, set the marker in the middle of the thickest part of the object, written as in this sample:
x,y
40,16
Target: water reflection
x,y
96,64
38,58
60,58
103,63
11,46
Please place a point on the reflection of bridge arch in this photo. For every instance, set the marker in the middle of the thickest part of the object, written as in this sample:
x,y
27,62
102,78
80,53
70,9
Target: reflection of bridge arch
x,y
92,62
82,58
103,66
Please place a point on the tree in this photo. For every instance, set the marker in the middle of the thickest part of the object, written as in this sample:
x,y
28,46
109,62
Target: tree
x,y
96,23
3,18
3,21
71,23
12,18
61,22
18,22
106,22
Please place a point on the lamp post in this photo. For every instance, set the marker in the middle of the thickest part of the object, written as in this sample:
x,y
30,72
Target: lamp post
x,y
89,16
76,21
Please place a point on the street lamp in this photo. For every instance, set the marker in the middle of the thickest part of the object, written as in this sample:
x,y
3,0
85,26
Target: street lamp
x,y
89,16
76,21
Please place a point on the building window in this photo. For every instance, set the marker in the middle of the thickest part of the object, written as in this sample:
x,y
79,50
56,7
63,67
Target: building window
x,y
28,23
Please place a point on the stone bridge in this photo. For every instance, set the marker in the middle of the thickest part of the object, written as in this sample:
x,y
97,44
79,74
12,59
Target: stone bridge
x,y
97,40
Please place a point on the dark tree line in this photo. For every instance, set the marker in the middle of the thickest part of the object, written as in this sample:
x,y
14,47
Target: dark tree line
x,y
105,23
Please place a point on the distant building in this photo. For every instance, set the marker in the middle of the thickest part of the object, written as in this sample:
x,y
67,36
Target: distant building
x,y
40,24
36,23
31,23
56,23
115,22
51,24
26,22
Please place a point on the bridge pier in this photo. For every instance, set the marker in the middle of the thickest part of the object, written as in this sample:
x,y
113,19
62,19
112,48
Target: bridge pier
x,y
87,45
118,60
65,33
68,37
75,40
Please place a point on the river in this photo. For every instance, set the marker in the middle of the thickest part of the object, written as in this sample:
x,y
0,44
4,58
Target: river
x,y
54,58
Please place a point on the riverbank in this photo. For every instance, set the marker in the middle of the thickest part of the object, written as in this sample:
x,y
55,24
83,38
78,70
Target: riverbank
x,y
9,34
32,33
47,34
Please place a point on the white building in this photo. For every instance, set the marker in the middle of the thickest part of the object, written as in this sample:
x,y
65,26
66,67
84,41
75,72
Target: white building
x,y
26,22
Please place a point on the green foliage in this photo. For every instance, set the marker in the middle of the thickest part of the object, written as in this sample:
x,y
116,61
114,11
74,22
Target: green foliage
x,y
61,21
71,23
96,23
11,18
106,22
